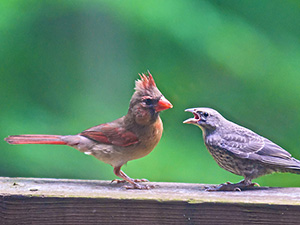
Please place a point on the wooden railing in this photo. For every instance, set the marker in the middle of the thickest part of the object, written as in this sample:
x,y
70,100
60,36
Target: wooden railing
x,y
55,201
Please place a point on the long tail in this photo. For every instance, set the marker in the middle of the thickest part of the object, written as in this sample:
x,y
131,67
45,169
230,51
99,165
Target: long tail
x,y
35,139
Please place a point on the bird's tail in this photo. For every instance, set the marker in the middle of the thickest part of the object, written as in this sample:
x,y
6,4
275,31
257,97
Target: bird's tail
x,y
35,139
293,171
294,168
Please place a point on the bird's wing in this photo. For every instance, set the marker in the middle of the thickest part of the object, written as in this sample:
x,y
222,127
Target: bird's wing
x,y
255,147
272,149
112,134
241,145
275,155
248,143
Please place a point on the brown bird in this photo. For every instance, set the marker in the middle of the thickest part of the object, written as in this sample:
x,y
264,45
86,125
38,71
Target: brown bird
x,y
132,136
240,150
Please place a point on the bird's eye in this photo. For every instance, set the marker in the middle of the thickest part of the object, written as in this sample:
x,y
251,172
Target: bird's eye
x,y
148,101
205,114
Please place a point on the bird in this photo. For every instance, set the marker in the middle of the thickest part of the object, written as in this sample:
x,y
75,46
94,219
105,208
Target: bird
x,y
130,137
240,150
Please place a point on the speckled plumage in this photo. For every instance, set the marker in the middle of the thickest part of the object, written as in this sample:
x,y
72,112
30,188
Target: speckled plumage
x,y
240,150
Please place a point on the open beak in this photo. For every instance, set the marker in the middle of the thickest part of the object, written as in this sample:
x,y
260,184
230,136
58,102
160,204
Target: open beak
x,y
194,120
163,104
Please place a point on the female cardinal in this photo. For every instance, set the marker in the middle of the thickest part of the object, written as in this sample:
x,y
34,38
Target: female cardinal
x,y
130,137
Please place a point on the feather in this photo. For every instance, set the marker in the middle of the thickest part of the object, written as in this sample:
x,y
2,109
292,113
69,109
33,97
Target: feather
x,y
110,134
145,82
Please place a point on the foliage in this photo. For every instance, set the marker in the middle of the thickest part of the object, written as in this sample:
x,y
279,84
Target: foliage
x,y
69,65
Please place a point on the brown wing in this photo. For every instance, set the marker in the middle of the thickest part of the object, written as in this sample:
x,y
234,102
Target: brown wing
x,y
111,134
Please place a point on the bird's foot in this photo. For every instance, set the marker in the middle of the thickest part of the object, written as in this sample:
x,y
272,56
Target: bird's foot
x,y
254,184
228,186
118,181
139,186
134,180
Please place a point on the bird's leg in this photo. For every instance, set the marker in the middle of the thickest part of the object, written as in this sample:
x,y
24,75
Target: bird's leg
x,y
118,172
242,185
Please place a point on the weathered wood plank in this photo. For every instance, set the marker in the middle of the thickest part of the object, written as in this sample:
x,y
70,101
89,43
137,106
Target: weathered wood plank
x,y
53,201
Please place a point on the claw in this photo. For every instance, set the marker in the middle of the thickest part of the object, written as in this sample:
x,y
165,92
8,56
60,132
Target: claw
x,y
255,184
118,181
140,180
237,189
134,180
228,186
139,186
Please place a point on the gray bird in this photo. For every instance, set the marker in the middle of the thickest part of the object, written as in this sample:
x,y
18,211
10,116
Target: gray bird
x,y
240,150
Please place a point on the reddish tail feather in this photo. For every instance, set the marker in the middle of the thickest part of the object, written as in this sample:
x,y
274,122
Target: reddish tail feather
x,y
35,139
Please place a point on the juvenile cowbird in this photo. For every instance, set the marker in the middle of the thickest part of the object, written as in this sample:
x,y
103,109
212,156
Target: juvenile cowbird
x,y
240,150
130,137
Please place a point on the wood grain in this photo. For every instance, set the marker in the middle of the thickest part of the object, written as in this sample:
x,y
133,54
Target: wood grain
x,y
51,201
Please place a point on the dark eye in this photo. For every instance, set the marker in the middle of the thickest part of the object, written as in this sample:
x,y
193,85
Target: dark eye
x,y
148,101
205,114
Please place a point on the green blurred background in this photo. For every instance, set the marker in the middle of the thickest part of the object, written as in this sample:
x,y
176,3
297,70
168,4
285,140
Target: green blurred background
x,y
69,65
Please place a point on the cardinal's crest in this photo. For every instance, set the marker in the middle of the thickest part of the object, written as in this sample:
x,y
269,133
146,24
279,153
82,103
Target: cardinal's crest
x,y
146,82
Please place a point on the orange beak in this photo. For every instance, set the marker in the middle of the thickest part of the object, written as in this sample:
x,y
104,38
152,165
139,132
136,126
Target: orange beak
x,y
163,104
